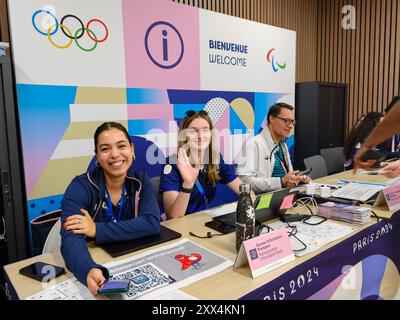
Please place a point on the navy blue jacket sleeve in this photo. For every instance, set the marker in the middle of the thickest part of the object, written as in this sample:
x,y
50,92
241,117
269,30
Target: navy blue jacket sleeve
x,y
147,223
74,246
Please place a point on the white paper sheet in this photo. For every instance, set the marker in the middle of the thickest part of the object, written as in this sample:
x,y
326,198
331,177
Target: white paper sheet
x,y
314,237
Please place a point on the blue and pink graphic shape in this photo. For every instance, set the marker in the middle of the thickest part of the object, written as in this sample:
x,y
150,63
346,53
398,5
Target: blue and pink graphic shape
x,y
146,110
170,43
370,279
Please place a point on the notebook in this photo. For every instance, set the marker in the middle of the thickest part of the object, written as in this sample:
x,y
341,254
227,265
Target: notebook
x,y
272,200
116,249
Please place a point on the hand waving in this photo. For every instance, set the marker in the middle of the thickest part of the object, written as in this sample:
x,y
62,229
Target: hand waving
x,y
188,172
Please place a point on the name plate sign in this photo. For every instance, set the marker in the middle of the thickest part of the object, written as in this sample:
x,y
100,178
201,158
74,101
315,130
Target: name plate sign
x,y
265,252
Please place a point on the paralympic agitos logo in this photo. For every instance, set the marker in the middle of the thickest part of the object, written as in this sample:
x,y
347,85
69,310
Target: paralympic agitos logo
x,y
50,26
271,58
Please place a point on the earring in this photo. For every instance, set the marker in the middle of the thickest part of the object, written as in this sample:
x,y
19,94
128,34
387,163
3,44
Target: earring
x,y
97,163
133,156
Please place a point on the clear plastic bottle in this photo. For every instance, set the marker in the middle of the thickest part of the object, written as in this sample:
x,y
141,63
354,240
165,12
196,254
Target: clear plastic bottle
x,y
245,216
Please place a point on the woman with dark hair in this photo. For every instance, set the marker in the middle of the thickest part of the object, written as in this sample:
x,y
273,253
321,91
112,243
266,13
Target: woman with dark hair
x,y
188,181
110,203
358,134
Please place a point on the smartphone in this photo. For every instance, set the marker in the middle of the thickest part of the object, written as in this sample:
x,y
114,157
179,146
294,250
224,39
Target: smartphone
x,y
372,154
114,286
42,271
304,172
220,226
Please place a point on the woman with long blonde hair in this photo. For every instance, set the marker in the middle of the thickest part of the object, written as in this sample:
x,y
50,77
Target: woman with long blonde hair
x,y
188,181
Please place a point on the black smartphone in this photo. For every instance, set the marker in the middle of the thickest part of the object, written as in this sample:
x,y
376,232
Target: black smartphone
x,y
42,271
220,226
304,172
114,286
372,154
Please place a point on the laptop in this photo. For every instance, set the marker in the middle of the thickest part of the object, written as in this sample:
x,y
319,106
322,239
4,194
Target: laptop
x,y
262,215
116,249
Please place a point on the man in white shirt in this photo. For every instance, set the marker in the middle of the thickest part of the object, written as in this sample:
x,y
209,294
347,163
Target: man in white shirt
x,y
265,163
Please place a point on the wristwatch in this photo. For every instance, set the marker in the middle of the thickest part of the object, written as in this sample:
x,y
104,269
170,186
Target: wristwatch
x,y
185,190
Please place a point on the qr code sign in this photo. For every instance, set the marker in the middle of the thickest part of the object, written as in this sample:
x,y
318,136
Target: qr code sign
x,y
144,279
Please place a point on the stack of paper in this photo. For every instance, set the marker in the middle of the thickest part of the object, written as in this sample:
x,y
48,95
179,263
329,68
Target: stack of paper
x,y
344,212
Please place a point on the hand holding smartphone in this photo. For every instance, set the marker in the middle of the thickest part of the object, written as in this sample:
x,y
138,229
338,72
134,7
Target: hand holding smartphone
x,y
372,154
114,286
304,172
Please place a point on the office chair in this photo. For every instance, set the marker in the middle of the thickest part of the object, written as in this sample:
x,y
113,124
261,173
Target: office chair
x,y
334,158
318,165
53,240
156,186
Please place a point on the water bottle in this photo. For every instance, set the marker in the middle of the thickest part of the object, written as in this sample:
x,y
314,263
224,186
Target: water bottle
x,y
245,216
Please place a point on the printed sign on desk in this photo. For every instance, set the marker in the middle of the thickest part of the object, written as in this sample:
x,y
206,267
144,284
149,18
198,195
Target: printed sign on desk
x,y
266,252
389,196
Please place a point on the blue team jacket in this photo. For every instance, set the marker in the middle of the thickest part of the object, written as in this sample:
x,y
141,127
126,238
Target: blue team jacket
x,y
87,191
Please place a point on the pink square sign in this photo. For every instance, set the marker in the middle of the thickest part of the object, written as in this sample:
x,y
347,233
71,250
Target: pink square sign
x,y
266,252
161,45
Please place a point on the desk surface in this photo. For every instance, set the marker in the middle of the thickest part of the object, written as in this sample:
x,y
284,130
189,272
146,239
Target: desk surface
x,y
228,284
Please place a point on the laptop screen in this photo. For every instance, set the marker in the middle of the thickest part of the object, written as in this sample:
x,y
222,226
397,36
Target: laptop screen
x,y
266,207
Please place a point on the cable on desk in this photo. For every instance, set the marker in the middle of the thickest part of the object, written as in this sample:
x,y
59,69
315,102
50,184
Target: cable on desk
x,y
208,236
378,218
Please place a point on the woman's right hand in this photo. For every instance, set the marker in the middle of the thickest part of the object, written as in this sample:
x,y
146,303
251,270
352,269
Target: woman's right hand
x,y
188,172
94,280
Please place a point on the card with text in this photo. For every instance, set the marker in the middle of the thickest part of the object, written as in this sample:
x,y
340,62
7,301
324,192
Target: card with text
x,y
265,252
389,196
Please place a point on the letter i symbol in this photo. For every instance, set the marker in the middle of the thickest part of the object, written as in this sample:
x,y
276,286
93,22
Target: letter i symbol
x,y
165,45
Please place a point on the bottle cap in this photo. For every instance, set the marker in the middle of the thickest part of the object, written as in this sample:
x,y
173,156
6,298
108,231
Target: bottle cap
x,y
245,187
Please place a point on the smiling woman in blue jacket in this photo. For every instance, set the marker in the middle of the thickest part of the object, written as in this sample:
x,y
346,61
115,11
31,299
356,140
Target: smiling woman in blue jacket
x,y
109,203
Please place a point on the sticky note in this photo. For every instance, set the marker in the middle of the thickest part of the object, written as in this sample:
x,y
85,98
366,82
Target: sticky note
x,y
265,201
287,202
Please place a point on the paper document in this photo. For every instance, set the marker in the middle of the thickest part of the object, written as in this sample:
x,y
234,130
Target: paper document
x,y
361,191
70,289
224,209
314,237
165,269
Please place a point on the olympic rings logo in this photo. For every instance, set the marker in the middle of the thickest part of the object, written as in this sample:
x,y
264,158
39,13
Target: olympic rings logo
x,y
73,37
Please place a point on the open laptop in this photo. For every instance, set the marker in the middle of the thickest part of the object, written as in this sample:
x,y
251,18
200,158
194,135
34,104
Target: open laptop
x,y
262,215
116,249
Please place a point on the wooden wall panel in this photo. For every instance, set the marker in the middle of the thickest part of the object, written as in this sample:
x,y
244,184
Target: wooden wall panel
x,y
367,59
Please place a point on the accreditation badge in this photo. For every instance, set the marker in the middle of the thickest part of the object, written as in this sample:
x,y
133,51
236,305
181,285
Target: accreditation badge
x,y
167,169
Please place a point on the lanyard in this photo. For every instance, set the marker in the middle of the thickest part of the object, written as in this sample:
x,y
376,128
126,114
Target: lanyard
x,y
110,212
282,161
202,192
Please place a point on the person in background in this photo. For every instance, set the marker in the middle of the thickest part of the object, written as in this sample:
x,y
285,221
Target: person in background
x,y
265,163
358,134
391,145
385,129
110,203
188,181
